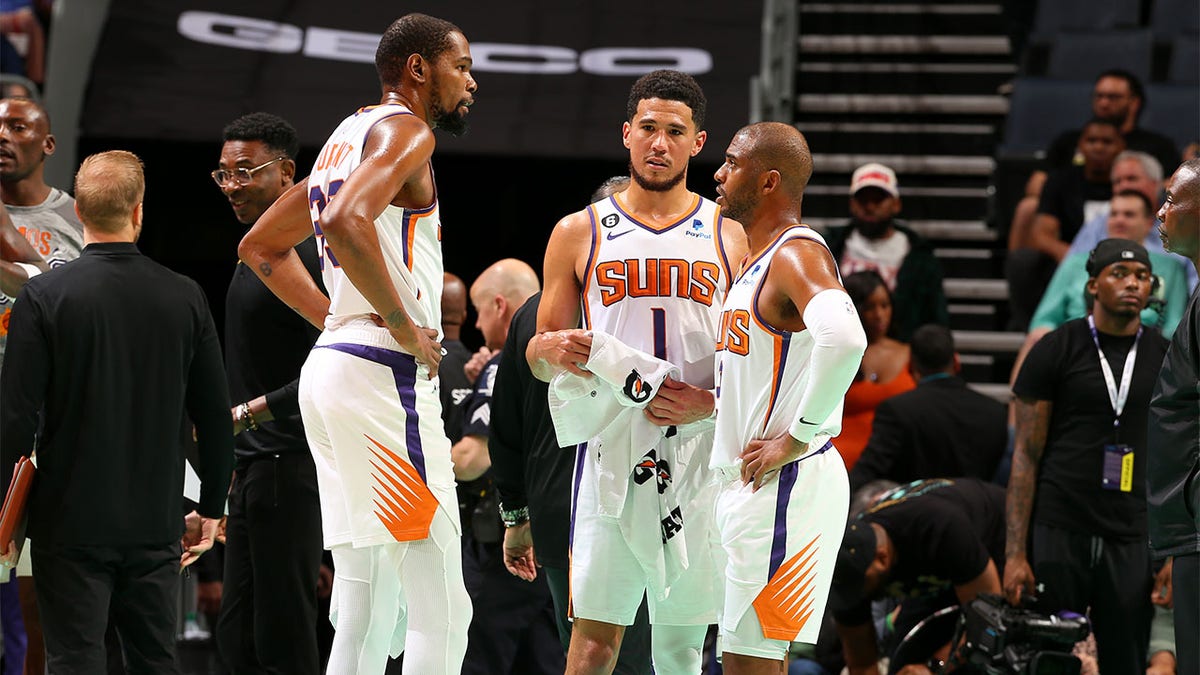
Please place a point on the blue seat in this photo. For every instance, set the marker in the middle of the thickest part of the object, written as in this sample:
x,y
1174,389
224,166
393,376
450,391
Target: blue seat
x,y
1185,61
1083,56
1174,111
1055,16
1042,108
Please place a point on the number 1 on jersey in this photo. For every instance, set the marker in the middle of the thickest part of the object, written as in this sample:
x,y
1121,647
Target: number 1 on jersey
x,y
659,316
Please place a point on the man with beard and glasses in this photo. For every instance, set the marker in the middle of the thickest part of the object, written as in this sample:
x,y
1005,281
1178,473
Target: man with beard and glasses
x,y
650,266
875,240
368,391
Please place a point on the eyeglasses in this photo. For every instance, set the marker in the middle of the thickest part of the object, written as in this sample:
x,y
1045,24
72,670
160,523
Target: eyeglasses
x,y
240,175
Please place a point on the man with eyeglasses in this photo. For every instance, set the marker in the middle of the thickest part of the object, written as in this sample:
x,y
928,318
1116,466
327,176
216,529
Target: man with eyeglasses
x,y
368,390
273,535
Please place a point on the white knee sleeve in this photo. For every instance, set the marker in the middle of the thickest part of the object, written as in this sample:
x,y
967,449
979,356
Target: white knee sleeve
x,y
677,650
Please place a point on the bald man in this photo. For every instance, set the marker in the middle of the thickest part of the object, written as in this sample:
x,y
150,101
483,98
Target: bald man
x,y
783,490
512,629
455,385
1173,499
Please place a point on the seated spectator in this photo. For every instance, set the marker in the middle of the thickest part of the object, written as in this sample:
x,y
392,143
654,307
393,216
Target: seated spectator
x,y
1132,170
941,428
1075,194
1131,217
929,544
19,25
1118,96
884,371
1071,196
875,240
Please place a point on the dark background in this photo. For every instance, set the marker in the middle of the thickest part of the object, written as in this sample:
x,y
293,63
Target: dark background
x,y
538,147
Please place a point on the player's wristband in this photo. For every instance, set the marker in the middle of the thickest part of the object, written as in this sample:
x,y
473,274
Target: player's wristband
x,y
31,271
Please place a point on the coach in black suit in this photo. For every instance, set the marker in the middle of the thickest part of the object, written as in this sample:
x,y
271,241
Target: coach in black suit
x,y
941,428
113,353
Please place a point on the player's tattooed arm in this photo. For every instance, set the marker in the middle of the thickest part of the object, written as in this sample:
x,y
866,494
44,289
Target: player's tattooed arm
x,y
265,269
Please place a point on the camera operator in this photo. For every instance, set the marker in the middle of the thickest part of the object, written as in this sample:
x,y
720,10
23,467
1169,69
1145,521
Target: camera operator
x,y
930,544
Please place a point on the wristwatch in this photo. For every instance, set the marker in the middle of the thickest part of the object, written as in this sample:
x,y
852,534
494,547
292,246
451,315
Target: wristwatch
x,y
514,517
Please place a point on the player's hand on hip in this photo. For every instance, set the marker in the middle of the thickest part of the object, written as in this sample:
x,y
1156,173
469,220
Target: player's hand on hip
x,y
679,403
1018,579
519,558
8,559
761,460
565,350
425,348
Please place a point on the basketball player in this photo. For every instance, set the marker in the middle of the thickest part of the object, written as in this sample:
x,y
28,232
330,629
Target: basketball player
x,y
791,344
652,265
367,395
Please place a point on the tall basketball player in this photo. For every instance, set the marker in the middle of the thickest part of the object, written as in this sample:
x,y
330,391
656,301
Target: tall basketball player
x,y
791,344
367,391
651,265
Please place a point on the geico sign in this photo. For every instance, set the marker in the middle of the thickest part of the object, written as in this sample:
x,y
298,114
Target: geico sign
x,y
245,32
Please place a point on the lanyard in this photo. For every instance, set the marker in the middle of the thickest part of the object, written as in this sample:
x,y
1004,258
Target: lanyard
x,y
1116,397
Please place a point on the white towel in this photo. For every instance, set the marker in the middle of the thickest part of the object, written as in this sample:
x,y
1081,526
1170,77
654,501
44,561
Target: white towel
x,y
605,411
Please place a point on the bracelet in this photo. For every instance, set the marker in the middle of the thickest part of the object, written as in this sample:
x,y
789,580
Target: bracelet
x,y
514,517
246,417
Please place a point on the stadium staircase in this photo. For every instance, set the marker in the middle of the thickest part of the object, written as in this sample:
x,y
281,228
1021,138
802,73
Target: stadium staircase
x,y
913,86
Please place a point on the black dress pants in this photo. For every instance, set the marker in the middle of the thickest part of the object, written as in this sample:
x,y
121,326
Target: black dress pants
x,y
1185,581
80,587
272,558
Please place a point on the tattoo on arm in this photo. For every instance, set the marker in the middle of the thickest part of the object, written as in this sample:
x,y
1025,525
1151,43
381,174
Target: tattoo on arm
x,y
395,318
1033,418
265,268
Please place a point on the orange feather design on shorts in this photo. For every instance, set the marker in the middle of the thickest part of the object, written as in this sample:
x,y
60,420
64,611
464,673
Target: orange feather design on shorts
x,y
785,604
403,502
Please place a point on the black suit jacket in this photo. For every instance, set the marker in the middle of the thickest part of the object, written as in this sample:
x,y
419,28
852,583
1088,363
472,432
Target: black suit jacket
x,y
943,428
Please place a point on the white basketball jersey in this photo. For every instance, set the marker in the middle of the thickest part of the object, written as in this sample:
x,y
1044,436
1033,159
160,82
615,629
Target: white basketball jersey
x,y
659,290
411,239
761,372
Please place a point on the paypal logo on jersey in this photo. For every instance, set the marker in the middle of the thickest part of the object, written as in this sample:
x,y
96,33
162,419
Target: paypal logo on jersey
x,y
698,230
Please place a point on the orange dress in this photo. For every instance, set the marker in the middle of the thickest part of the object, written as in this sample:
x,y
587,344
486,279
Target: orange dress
x,y
859,413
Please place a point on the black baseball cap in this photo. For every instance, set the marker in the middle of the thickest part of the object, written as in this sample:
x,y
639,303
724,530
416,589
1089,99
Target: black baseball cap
x,y
1111,251
850,572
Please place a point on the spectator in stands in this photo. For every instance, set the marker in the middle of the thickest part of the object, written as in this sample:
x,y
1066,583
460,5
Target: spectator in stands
x,y
941,428
1072,195
875,240
1076,508
929,544
1118,96
1174,430
273,542
20,25
885,365
1132,170
512,629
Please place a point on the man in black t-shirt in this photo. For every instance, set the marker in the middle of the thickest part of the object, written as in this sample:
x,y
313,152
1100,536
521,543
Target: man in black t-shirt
x,y
1079,462
454,383
269,616
929,544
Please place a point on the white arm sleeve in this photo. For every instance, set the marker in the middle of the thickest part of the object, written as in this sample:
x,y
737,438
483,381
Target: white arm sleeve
x,y
839,343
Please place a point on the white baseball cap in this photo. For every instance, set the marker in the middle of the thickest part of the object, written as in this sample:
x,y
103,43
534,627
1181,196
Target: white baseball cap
x,y
874,175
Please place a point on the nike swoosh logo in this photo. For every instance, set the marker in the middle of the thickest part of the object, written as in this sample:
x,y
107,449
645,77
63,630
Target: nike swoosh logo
x,y
804,421
614,235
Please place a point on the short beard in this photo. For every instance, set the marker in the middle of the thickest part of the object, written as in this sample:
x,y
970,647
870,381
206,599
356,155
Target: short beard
x,y
452,121
736,209
660,186
872,230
